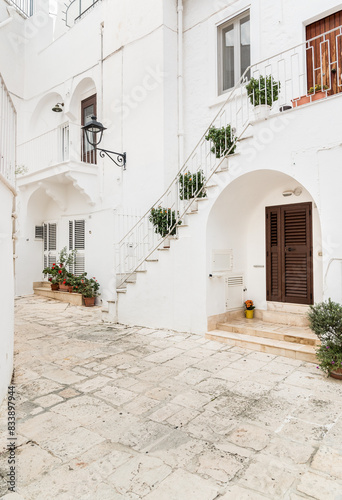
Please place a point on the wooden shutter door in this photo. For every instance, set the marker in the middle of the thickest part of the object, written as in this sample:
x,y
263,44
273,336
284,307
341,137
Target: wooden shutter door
x,y
324,54
289,266
296,222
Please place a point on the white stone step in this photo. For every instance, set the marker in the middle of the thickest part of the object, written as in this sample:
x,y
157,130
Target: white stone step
x,y
257,328
270,346
283,317
75,299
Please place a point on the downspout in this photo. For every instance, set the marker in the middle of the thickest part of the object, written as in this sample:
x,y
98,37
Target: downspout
x,y
11,11
180,86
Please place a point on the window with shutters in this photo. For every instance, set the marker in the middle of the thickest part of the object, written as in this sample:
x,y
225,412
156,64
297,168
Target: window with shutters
x,y
234,51
88,109
50,243
77,242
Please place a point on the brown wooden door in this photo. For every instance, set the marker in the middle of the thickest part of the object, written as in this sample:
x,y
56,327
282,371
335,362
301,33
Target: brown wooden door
x,y
88,109
324,53
289,267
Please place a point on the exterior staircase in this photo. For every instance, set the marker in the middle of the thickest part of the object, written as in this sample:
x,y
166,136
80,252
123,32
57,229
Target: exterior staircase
x,y
43,289
283,331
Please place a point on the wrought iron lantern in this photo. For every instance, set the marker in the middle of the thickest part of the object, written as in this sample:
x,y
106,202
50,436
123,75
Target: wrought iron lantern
x,y
93,131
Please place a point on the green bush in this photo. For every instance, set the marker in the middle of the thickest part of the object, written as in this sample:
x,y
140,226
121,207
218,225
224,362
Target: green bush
x,y
190,185
259,89
326,322
224,140
163,220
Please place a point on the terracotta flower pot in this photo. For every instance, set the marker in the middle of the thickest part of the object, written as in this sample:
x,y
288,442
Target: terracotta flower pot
x,y
54,286
319,95
305,99
70,287
63,287
336,373
89,301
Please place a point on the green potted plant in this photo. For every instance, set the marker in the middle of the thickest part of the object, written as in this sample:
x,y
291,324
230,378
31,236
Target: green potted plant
x,y
262,93
89,289
223,140
163,220
53,276
326,322
190,185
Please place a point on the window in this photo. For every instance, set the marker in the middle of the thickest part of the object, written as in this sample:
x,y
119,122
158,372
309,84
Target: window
x,y
234,51
88,109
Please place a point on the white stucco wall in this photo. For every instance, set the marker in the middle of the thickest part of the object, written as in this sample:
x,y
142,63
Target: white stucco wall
x,y
7,288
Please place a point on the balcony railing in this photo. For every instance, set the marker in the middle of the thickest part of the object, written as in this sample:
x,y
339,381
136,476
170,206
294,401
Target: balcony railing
x,y
25,7
77,9
62,144
8,131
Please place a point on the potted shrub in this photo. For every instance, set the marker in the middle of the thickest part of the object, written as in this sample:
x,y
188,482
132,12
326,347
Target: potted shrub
x,y
163,220
262,93
314,94
326,322
223,140
54,277
249,309
190,185
89,289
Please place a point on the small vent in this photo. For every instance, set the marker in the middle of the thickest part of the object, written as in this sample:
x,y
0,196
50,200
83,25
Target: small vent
x,y
234,292
235,281
39,232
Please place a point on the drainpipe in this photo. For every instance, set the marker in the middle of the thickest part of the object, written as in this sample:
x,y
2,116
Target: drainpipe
x,y
180,85
11,11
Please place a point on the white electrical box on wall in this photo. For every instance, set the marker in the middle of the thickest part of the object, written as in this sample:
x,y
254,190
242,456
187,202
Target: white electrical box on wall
x,y
233,287
222,261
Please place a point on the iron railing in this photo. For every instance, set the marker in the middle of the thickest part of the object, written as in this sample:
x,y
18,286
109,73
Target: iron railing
x,y
25,7
77,9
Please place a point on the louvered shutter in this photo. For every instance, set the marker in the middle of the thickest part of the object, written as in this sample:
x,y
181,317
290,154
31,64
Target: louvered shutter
x,y
273,250
289,267
297,261
77,242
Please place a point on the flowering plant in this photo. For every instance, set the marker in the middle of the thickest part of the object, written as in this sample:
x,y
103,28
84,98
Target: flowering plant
x,y
88,287
190,185
223,140
249,305
58,271
163,220
326,322
317,88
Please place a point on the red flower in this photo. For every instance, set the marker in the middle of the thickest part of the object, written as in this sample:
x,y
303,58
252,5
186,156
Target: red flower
x,y
60,265
54,264
59,272
64,282
50,279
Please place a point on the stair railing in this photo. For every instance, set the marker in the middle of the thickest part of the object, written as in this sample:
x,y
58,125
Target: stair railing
x,y
287,74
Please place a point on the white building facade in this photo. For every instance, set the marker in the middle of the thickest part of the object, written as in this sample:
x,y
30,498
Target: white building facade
x,y
7,233
261,220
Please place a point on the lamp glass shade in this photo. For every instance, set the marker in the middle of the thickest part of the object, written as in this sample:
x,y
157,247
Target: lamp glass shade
x,y
94,131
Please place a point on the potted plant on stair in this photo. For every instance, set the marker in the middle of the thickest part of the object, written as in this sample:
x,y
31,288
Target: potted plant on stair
x,y
191,184
262,93
249,311
223,143
326,322
164,221
89,289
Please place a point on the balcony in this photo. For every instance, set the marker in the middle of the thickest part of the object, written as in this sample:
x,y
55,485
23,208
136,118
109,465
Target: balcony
x,y
58,157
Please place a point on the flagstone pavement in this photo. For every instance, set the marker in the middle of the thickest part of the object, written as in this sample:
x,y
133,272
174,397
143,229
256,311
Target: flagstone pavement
x,y
109,412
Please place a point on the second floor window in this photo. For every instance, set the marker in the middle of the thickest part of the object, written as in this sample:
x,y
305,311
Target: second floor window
x,y
234,51
88,109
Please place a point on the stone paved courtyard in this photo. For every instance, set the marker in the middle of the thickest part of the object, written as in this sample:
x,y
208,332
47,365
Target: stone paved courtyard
x,y
108,412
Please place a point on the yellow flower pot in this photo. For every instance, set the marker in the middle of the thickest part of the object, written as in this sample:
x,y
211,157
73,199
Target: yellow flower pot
x,y
249,313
